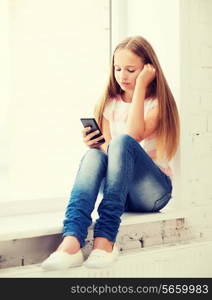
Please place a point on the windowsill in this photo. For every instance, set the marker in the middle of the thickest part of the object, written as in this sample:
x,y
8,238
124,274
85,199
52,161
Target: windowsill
x,y
41,224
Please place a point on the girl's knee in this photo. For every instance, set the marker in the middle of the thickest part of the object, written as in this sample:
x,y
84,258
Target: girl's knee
x,y
122,141
95,154
93,159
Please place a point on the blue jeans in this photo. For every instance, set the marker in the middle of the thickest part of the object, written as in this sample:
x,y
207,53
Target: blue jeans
x,y
132,182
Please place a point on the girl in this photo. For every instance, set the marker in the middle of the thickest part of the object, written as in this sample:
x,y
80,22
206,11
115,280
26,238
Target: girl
x,y
139,121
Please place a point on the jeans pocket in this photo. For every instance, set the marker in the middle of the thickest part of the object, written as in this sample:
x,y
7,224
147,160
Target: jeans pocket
x,y
161,203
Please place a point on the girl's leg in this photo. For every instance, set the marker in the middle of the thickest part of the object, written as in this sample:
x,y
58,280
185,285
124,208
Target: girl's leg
x,y
150,189
130,170
91,171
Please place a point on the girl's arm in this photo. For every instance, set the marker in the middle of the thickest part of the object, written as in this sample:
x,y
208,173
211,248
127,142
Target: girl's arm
x,y
135,121
137,126
106,134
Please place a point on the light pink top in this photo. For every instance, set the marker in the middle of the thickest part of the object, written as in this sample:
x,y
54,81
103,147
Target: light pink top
x,y
116,112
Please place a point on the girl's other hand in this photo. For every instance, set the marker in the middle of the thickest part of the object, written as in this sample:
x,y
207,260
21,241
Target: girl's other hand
x,y
87,138
146,76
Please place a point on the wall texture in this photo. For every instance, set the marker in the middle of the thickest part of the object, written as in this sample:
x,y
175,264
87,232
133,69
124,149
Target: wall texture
x,y
196,113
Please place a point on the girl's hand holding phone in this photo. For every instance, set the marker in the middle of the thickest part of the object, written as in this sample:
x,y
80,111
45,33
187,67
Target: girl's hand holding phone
x,y
91,143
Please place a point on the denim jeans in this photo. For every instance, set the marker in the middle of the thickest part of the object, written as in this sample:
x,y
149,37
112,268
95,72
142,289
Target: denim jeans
x,y
132,183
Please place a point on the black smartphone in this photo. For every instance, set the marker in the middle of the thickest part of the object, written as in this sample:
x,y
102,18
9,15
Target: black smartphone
x,y
91,122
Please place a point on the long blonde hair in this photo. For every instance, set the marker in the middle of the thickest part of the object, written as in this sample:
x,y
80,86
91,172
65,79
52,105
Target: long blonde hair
x,y
168,130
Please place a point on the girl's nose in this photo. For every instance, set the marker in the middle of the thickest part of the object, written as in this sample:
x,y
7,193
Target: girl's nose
x,y
123,76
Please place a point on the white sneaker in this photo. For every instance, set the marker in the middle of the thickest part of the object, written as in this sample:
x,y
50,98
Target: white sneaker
x,y
101,258
60,260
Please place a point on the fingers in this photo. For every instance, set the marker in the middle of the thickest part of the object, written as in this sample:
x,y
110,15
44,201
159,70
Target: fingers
x,y
150,67
86,129
94,142
87,137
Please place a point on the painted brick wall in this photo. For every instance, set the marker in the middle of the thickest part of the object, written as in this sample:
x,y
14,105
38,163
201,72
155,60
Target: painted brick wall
x,y
196,112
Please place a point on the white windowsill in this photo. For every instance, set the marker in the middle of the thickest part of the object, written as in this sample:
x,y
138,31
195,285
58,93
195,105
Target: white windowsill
x,y
40,224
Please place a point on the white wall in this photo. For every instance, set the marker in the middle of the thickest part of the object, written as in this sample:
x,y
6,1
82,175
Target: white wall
x,y
60,53
197,100
196,112
5,80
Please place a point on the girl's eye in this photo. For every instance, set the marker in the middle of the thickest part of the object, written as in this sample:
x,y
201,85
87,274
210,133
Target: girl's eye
x,y
131,71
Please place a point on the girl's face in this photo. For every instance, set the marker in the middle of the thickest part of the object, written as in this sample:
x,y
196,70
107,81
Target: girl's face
x,y
127,66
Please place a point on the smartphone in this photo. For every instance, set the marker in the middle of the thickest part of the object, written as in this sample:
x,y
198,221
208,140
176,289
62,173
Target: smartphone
x,y
91,122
